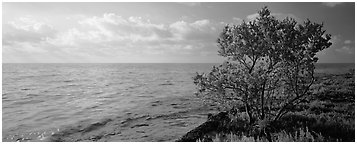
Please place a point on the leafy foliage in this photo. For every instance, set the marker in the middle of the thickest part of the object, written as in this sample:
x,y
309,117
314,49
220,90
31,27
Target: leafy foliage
x,y
269,66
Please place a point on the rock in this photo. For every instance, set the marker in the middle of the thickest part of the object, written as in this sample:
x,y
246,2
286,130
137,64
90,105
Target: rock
x,y
220,122
212,124
95,126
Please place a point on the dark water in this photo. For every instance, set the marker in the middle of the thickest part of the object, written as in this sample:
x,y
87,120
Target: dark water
x,y
334,67
39,100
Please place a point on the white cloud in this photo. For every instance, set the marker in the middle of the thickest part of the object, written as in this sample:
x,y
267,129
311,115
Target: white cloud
x,y
198,30
346,49
26,35
347,42
112,28
237,20
26,29
136,33
180,29
71,38
200,24
252,16
30,24
331,4
111,35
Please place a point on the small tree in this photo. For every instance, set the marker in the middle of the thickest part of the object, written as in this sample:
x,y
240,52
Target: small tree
x,y
269,66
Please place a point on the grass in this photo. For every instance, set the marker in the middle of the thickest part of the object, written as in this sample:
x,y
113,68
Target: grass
x,y
283,136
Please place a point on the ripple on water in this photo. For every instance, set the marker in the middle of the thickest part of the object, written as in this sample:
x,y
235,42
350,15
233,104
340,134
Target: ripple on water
x,y
31,101
49,95
33,136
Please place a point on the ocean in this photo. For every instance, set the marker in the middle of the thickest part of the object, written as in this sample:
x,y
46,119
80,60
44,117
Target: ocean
x,y
115,102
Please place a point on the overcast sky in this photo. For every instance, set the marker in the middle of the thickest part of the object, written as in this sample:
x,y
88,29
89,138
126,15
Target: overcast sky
x,y
150,32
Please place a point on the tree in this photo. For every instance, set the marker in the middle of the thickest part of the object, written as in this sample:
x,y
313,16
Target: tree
x,y
269,65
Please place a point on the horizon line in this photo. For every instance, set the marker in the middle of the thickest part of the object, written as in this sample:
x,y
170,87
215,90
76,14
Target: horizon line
x,y
157,63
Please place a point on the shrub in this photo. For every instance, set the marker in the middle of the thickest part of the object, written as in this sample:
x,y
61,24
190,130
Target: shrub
x,y
269,66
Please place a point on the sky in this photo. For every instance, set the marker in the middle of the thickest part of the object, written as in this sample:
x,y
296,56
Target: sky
x,y
151,32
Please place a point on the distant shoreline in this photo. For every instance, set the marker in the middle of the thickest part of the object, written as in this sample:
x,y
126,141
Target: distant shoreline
x,y
146,63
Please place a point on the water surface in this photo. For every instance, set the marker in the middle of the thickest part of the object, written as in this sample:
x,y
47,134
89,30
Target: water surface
x,y
42,99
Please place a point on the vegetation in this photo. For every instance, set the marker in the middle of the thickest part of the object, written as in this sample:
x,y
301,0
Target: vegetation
x,y
299,136
268,79
328,115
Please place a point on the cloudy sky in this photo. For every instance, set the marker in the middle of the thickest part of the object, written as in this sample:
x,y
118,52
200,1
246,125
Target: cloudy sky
x,y
150,32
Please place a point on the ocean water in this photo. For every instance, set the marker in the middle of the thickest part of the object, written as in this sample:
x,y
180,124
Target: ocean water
x,y
335,68
149,102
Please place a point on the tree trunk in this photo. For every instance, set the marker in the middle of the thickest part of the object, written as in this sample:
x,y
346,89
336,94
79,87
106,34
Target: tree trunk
x,y
248,110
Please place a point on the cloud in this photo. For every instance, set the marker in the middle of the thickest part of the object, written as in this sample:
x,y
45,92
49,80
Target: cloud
x,y
200,23
197,30
331,4
115,27
30,24
347,42
342,46
346,49
26,36
252,16
26,29
111,36
237,20
180,29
